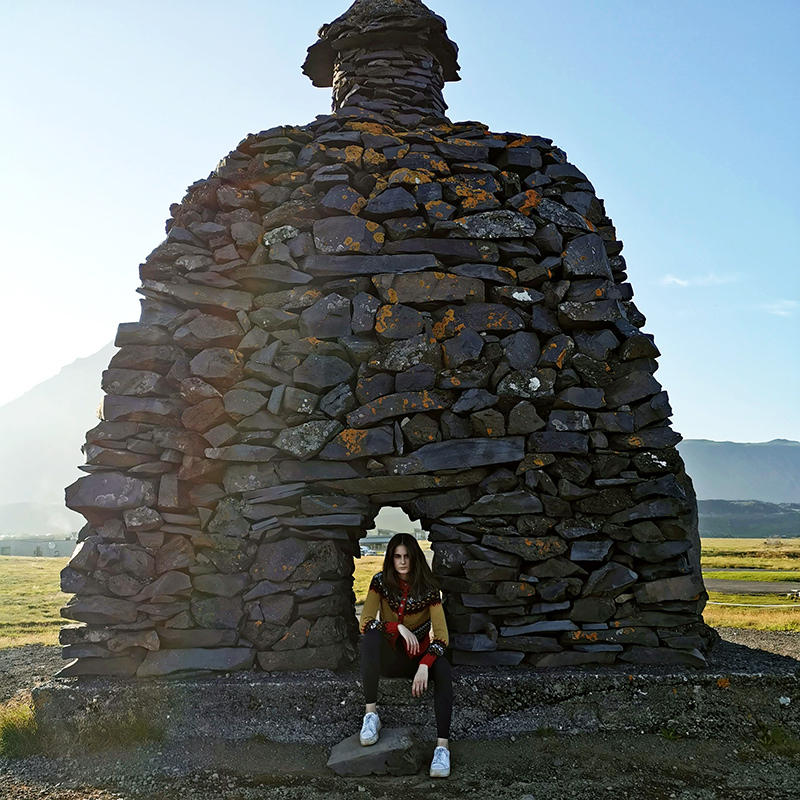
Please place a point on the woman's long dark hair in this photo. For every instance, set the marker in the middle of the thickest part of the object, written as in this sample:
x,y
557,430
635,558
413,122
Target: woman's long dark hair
x,y
420,577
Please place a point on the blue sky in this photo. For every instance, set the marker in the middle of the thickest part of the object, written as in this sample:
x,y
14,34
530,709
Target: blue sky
x,y
683,114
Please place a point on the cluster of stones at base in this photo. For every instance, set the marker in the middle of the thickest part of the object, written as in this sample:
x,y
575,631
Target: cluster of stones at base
x,y
357,314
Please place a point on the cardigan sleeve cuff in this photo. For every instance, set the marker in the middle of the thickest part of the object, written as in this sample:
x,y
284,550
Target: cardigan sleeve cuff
x,y
428,659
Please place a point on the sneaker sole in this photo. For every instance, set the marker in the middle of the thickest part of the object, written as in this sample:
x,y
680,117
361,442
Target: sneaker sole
x,y
439,774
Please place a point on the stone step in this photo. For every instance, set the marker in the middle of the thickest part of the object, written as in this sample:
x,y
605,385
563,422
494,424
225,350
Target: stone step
x,y
739,686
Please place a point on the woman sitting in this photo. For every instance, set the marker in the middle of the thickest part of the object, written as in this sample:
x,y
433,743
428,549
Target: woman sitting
x,y
405,636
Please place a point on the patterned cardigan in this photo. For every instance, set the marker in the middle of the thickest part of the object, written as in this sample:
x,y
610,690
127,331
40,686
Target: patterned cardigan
x,y
423,616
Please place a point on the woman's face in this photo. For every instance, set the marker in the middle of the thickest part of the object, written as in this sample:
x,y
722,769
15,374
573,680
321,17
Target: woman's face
x,y
402,561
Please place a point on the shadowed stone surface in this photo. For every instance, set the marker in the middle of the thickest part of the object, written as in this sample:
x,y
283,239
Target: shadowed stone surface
x,y
395,753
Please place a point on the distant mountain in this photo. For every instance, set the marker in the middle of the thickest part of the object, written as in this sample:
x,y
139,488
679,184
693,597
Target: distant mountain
x,y
749,519
41,433
733,471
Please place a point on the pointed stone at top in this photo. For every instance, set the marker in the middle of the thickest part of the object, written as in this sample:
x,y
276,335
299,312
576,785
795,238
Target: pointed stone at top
x,y
363,12
381,23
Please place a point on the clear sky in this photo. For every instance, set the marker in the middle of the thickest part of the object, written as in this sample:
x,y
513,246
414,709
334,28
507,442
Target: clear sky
x,y
684,115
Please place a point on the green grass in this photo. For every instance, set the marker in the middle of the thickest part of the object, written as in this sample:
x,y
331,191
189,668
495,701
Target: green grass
x,y
19,735
30,600
774,576
777,739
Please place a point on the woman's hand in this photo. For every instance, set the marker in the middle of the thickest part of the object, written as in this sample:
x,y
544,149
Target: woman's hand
x,y
420,683
412,643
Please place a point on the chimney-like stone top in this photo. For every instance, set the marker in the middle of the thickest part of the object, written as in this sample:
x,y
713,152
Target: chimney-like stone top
x,y
381,23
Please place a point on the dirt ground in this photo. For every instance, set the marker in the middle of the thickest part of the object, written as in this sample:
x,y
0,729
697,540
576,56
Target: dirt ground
x,y
530,767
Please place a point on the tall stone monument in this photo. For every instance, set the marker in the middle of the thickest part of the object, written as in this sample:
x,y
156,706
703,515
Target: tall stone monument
x,y
384,308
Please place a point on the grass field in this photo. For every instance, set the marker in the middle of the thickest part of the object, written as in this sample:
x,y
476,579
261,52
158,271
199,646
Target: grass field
x,y
30,599
778,554
749,615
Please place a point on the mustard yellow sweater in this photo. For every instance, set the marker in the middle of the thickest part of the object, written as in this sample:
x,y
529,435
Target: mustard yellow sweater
x,y
423,616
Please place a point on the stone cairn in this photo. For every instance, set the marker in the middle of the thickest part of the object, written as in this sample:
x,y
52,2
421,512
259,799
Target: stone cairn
x,y
384,308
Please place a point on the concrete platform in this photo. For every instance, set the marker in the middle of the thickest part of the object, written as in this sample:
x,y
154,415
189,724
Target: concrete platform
x,y
741,688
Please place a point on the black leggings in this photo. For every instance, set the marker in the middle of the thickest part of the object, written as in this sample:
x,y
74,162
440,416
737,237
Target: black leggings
x,y
378,658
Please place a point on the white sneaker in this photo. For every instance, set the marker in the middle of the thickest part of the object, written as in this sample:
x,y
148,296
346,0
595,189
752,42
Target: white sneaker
x,y
440,766
369,729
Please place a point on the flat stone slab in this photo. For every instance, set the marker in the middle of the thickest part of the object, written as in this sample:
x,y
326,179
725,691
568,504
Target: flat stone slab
x,y
395,753
740,686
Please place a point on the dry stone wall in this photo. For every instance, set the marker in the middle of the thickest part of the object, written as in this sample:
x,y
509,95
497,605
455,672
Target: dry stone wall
x,y
384,308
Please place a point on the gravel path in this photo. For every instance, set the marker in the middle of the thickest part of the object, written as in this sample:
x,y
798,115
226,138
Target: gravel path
x,y
580,767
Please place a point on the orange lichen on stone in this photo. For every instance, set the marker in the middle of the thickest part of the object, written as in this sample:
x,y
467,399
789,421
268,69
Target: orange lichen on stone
x,y
374,128
437,209
353,440
724,683
508,271
521,142
475,199
355,209
410,177
377,234
435,163
447,325
463,142
381,185
559,360
383,319
353,154
372,158
532,199
392,295
496,320
583,636
635,441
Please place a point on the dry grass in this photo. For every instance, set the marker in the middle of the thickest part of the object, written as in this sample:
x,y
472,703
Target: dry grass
x,y
754,618
30,600
755,546
19,735
366,567
773,554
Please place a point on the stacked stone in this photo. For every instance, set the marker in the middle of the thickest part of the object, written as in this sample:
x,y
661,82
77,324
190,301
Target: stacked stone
x,y
363,313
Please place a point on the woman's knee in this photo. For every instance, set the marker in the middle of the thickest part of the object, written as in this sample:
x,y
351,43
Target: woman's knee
x,y
371,643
